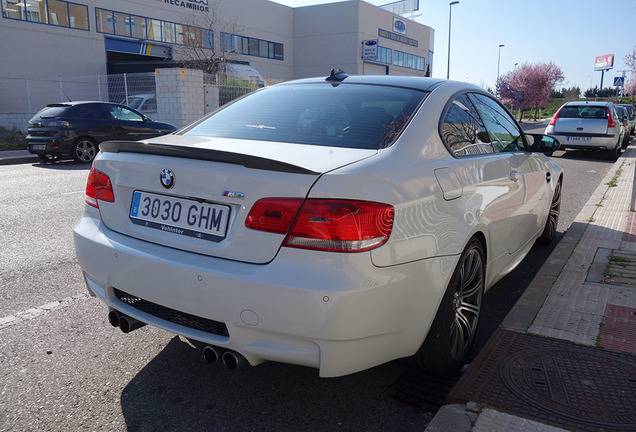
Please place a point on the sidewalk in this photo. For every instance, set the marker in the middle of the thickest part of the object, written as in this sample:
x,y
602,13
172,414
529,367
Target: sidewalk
x,y
565,356
8,157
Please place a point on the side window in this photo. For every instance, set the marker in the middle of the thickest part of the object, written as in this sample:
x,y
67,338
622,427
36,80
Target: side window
x,y
87,111
92,111
123,113
504,133
463,131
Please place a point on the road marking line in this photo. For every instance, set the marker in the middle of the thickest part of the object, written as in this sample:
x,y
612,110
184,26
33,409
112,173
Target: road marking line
x,y
37,311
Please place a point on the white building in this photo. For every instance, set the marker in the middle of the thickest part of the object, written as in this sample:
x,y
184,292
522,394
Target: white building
x,y
44,41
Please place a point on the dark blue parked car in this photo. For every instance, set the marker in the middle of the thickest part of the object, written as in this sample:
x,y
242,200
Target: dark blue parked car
x,y
76,128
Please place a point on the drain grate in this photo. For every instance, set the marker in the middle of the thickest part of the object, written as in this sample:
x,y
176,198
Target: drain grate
x,y
424,389
554,382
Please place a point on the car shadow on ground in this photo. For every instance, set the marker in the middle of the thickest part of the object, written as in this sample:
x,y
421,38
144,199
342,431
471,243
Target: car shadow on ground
x,y
64,165
178,390
584,155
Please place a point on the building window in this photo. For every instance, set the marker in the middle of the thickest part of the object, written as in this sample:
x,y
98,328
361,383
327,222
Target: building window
x,y
52,12
139,27
385,55
252,46
409,61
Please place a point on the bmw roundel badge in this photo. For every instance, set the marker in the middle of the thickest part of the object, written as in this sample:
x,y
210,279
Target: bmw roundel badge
x,y
167,178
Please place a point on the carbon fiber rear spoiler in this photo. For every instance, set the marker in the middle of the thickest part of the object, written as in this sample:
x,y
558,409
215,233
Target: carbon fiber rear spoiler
x,y
248,161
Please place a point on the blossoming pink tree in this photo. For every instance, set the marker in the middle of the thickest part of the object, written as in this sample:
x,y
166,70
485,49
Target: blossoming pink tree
x,y
533,82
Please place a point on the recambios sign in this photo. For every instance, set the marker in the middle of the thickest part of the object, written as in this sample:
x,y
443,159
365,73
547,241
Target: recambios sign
x,y
604,62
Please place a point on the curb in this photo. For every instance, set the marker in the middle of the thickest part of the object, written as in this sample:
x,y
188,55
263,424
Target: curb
x,y
12,157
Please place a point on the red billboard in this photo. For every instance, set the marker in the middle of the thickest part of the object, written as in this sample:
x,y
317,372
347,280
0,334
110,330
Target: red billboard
x,y
604,62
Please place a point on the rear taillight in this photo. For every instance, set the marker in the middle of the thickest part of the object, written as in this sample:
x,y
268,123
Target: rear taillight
x,y
554,119
273,215
610,121
98,187
324,224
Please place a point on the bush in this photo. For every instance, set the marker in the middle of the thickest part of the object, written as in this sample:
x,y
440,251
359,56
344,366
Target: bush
x,y
12,140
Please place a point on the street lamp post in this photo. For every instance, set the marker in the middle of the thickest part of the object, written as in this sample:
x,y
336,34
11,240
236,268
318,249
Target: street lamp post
x,y
499,60
450,10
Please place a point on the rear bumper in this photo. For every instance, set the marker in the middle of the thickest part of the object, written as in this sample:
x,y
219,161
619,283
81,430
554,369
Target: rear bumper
x,y
55,145
334,312
596,142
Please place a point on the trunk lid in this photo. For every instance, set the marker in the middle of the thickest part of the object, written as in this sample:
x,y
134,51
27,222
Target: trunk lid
x,y
214,183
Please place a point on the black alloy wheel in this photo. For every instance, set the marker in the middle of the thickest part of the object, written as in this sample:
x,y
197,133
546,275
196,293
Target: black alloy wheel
x,y
84,150
452,333
549,232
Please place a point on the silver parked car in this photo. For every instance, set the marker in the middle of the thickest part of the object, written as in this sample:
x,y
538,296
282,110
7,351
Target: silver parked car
x,y
631,116
588,125
334,223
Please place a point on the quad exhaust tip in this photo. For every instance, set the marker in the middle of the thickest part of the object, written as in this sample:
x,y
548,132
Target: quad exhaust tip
x,y
230,359
125,323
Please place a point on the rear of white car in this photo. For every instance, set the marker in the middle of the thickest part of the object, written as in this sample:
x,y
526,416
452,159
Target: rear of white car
x,y
196,239
588,125
315,223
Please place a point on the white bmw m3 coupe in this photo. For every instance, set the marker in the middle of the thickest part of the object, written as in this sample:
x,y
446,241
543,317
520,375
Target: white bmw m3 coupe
x,y
334,223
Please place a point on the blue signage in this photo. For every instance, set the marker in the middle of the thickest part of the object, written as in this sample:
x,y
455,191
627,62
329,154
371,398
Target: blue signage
x,y
397,37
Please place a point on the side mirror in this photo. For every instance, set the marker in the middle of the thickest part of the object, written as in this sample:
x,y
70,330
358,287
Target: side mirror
x,y
543,143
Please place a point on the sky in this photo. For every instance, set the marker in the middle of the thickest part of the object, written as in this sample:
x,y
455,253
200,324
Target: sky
x,y
569,33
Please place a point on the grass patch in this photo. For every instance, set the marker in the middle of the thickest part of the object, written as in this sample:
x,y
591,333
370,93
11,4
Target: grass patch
x,y
614,181
12,140
619,259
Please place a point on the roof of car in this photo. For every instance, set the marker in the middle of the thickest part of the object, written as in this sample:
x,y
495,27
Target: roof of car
x,y
590,103
419,83
71,103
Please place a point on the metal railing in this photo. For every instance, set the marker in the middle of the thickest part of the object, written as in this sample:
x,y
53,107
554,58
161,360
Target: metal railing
x,y
30,95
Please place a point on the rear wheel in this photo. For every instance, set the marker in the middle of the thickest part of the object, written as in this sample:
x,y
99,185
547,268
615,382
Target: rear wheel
x,y
451,335
549,232
84,150
614,154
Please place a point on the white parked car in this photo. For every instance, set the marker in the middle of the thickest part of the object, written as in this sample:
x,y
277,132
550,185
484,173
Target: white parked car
x,y
590,126
337,224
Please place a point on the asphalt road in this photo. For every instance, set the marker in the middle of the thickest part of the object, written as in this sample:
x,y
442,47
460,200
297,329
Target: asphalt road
x,y
63,367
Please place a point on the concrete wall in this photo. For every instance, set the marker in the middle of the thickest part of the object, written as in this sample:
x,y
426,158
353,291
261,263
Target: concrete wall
x,y
180,96
330,36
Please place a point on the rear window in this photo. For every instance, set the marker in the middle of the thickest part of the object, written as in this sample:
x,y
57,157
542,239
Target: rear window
x,y
51,112
347,115
583,111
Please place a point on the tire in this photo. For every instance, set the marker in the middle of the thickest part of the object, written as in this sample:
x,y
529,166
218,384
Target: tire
x,y
452,333
48,158
615,153
84,150
550,229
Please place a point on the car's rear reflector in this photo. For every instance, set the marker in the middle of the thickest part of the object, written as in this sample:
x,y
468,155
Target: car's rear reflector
x,y
98,187
324,224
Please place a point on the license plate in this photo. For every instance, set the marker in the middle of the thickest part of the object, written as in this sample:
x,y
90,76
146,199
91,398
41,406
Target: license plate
x,y
180,215
579,139
38,147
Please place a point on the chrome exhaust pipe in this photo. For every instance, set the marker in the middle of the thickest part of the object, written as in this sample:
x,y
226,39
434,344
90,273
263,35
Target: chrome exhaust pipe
x,y
128,324
113,318
233,360
211,354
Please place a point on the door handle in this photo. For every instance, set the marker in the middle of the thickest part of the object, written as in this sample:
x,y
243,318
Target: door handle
x,y
548,177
